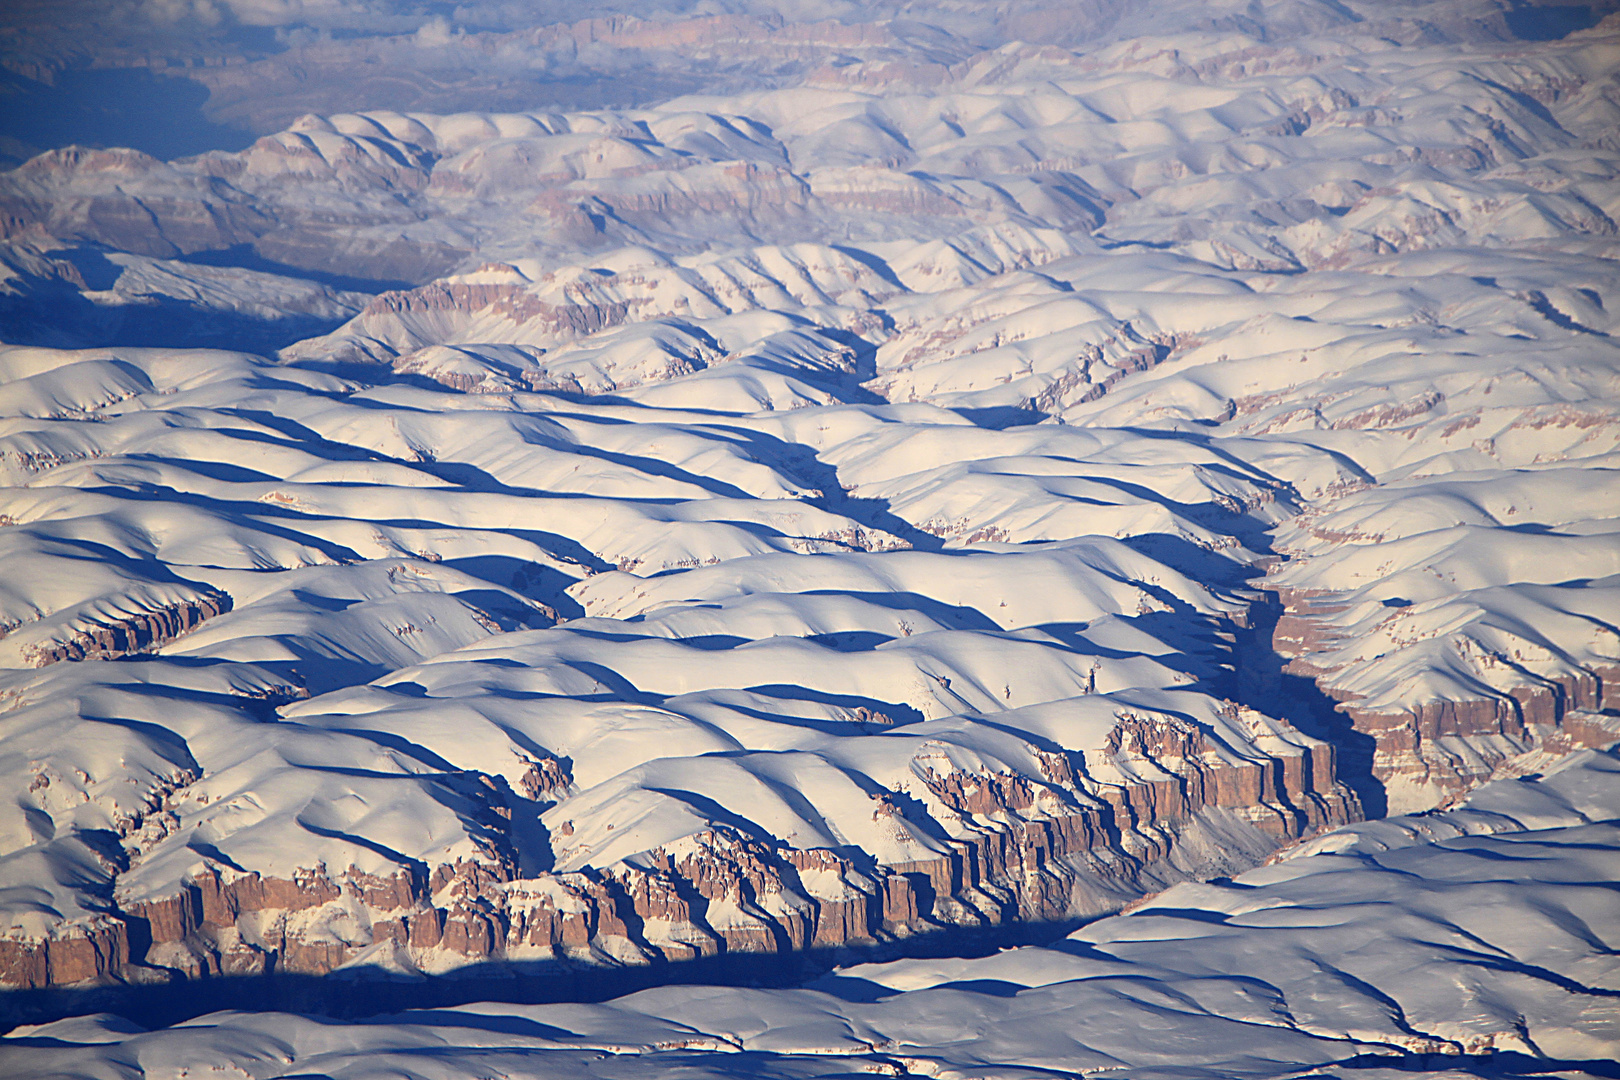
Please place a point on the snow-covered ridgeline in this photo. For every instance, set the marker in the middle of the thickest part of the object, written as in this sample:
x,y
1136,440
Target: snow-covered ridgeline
x,y
799,518
767,751
354,530
1466,935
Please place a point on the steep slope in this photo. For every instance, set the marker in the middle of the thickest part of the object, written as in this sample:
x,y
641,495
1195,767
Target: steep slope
x,y
818,738
1442,944
884,506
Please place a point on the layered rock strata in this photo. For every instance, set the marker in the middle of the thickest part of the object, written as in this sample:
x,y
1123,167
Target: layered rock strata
x,y
135,633
82,952
1429,751
1021,849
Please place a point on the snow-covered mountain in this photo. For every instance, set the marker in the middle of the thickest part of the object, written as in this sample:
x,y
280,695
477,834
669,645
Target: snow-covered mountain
x,y
1457,942
948,475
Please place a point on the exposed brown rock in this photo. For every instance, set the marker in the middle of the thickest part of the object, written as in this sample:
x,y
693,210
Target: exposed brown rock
x,y
1021,845
546,778
514,302
84,951
1538,711
133,633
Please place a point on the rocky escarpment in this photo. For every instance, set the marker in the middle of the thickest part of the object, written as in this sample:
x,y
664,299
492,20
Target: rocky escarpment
x,y
502,300
1453,939
1090,831
138,632
1438,743
82,951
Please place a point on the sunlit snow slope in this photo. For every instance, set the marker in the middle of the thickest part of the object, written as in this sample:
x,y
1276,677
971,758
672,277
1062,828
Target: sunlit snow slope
x,y
921,499
1481,937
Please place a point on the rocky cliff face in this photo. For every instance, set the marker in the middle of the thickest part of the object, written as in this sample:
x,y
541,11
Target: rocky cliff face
x,y
1514,870
1430,751
85,951
135,633
1460,620
1022,849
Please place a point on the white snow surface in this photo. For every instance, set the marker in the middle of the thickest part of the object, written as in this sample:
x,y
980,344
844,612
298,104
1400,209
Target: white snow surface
x,y
1464,934
787,468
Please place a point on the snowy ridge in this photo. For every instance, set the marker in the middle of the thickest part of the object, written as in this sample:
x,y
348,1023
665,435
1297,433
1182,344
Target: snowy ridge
x,y
1467,935
1308,152
316,534
957,484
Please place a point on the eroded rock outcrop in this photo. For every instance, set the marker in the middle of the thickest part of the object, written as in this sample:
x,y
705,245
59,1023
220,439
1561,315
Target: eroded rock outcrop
x,y
80,952
1080,838
134,633
1432,743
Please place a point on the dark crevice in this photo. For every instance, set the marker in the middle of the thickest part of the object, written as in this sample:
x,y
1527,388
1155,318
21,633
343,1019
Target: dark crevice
x,y
1501,1063
357,993
1263,682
